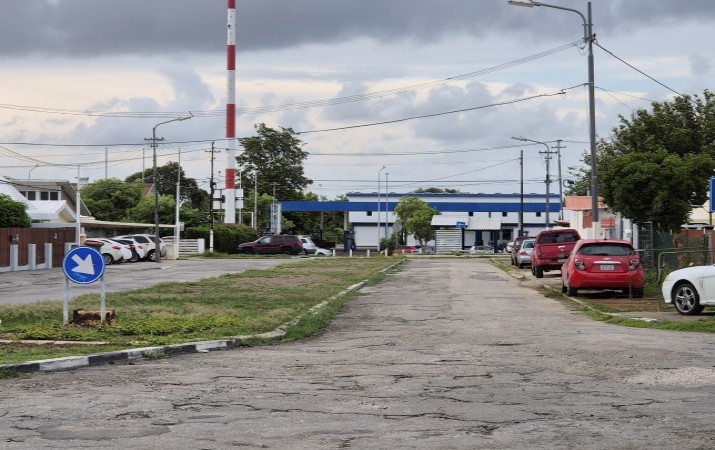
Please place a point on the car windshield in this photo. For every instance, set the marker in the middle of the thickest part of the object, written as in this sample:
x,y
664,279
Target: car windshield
x,y
607,249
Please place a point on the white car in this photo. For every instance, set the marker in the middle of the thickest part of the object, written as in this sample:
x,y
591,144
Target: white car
x,y
127,254
147,241
690,289
111,253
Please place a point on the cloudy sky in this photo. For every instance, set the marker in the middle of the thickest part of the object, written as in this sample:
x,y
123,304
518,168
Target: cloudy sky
x,y
85,81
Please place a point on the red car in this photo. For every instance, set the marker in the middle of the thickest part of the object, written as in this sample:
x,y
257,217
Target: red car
x,y
603,264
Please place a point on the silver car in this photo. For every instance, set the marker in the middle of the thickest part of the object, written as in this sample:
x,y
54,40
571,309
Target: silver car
x,y
523,257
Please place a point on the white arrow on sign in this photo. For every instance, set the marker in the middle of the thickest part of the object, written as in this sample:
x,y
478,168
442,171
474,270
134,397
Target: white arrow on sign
x,y
83,266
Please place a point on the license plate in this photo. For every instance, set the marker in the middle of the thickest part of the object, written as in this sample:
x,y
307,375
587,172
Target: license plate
x,y
607,267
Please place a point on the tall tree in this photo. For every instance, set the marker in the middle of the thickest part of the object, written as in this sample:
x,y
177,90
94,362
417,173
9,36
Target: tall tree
x,y
191,194
276,158
658,163
415,216
111,199
13,214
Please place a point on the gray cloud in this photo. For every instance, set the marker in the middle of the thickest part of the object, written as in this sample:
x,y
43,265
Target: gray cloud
x,y
85,28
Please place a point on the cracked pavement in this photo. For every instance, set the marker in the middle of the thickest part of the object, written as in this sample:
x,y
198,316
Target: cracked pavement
x,y
445,353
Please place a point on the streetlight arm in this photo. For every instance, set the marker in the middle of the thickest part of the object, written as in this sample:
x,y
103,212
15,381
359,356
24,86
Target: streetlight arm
x,y
531,4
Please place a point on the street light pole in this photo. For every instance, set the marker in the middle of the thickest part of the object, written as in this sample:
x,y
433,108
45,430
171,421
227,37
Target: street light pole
x,y
379,174
157,250
588,37
548,175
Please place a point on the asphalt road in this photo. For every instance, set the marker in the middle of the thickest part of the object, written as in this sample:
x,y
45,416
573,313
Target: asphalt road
x,y
30,286
445,353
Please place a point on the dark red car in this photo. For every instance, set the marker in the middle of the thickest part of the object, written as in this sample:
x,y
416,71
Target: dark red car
x,y
603,264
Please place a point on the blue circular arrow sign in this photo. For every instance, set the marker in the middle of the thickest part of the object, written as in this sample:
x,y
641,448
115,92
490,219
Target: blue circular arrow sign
x,y
83,265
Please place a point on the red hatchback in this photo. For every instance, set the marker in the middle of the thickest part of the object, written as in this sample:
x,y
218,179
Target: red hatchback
x,y
603,264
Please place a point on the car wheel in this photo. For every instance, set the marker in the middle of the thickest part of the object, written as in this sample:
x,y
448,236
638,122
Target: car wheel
x,y
686,299
287,251
152,256
538,272
247,251
571,292
520,265
134,258
107,259
563,287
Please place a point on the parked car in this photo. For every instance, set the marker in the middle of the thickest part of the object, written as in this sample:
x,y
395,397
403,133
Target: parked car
x,y
110,253
280,243
515,245
407,249
551,249
603,264
323,252
148,242
127,253
311,248
136,248
523,256
690,289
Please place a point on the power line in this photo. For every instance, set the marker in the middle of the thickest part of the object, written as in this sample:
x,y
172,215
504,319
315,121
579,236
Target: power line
x,y
638,70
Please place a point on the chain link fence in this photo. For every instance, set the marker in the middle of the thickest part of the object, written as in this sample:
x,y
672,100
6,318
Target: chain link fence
x,y
662,253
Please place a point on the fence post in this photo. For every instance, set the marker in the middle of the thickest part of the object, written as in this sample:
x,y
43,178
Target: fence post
x,y
32,256
14,254
48,255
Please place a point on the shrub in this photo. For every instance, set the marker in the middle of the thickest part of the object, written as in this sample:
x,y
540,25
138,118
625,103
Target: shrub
x,y
226,236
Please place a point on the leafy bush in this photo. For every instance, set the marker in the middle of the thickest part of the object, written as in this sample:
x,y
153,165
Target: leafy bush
x,y
226,236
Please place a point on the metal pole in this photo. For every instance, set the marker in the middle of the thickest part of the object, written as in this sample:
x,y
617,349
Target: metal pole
x,y
379,174
78,208
521,205
592,130
178,196
157,252
561,181
387,203
255,200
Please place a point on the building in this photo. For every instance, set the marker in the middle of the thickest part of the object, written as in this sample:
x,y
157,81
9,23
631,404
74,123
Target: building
x,y
372,216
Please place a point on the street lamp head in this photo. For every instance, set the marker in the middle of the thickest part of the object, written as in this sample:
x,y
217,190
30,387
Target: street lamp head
x,y
527,3
518,138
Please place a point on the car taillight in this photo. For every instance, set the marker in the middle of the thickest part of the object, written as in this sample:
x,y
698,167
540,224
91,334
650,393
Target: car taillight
x,y
116,247
633,263
579,264
523,253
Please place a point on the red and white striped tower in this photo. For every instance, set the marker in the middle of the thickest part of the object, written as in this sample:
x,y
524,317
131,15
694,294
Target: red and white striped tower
x,y
231,116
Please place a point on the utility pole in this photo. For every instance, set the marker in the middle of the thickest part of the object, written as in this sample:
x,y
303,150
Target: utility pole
x,y
521,196
547,159
561,181
211,203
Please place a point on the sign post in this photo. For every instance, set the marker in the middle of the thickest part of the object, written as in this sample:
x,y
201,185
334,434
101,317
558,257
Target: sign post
x,y
82,265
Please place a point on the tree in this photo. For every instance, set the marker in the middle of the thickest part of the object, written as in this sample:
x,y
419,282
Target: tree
x,y
111,199
436,190
13,214
191,194
277,158
658,163
415,216
143,212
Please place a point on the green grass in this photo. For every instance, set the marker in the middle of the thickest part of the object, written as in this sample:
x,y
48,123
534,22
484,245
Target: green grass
x,y
251,302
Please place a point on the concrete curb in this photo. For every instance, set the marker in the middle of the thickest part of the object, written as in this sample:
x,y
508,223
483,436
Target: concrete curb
x,y
75,362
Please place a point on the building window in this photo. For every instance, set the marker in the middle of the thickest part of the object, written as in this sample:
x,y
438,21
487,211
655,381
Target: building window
x,y
54,195
31,195
538,214
471,213
44,195
369,213
503,214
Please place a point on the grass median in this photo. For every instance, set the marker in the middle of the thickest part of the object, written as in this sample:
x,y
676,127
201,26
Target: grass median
x,y
251,302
